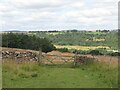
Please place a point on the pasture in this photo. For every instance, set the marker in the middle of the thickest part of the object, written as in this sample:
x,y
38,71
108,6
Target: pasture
x,y
81,47
55,33
30,74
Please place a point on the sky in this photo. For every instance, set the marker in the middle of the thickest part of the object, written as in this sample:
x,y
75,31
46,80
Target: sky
x,y
43,15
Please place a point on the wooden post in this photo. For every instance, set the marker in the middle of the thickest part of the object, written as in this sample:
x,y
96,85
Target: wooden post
x,y
40,56
110,60
75,58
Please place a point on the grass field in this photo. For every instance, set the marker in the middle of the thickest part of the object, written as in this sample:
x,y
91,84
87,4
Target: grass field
x,y
55,33
81,47
98,33
32,75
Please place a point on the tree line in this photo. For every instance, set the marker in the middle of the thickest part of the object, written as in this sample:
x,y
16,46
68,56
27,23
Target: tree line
x,y
24,41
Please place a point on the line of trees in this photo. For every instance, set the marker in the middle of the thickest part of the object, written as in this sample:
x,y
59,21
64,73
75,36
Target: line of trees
x,y
23,41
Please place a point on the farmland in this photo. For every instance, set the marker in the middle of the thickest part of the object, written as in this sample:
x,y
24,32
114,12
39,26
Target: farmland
x,y
93,75
81,38
81,47
21,68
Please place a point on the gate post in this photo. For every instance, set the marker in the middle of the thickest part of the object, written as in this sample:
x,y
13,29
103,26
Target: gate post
x,y
40,56
75,58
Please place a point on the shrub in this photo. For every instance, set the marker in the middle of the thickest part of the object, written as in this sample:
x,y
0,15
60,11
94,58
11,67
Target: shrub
x,y
114,53
95,52
63,49
80,52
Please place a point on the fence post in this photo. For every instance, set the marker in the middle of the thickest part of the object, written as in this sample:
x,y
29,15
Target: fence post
x,y
40,55
110,60
75,58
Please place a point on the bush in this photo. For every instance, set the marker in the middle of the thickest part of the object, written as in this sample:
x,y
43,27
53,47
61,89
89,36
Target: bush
x,y
80,52
63,49
95,52
114,53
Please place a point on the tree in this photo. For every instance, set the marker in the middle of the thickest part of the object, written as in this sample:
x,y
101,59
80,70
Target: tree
x,y
24,41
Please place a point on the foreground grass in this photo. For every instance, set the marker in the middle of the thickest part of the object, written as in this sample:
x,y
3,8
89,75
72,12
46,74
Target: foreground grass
x,y
32,75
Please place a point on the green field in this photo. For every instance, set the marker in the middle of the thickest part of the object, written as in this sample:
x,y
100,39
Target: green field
x,y
81,47
55,33
82,38
32,75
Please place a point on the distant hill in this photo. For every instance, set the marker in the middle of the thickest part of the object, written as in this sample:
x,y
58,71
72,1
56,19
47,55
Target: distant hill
x,y
14,31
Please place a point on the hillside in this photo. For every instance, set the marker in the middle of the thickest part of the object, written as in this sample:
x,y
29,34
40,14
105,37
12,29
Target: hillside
x,y
81,38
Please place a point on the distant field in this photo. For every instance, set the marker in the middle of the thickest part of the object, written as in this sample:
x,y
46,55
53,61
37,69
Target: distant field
x,y
54,33
81,47
98,33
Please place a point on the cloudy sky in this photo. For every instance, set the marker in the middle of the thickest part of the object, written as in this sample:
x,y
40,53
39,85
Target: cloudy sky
x,y
58,14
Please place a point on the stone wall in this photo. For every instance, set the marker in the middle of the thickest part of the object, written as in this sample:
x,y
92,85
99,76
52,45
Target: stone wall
x,y
17,55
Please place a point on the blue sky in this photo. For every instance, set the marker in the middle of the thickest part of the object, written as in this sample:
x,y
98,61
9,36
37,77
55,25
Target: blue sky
x,y
58,14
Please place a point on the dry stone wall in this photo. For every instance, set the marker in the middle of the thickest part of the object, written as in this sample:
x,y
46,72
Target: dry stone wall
x,y
19,55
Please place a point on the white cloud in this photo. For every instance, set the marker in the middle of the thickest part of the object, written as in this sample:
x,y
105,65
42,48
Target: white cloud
x,y
35,14
96,12
35,4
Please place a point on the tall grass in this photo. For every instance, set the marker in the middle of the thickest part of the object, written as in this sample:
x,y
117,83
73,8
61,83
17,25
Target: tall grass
x,y
100,72
107,73
24,70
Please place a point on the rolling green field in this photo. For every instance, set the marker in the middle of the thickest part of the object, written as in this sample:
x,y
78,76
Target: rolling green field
x,y
82,38
32,75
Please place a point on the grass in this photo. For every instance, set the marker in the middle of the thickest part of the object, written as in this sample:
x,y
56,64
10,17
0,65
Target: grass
x,y
55,33
98,33
32,75
81,47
